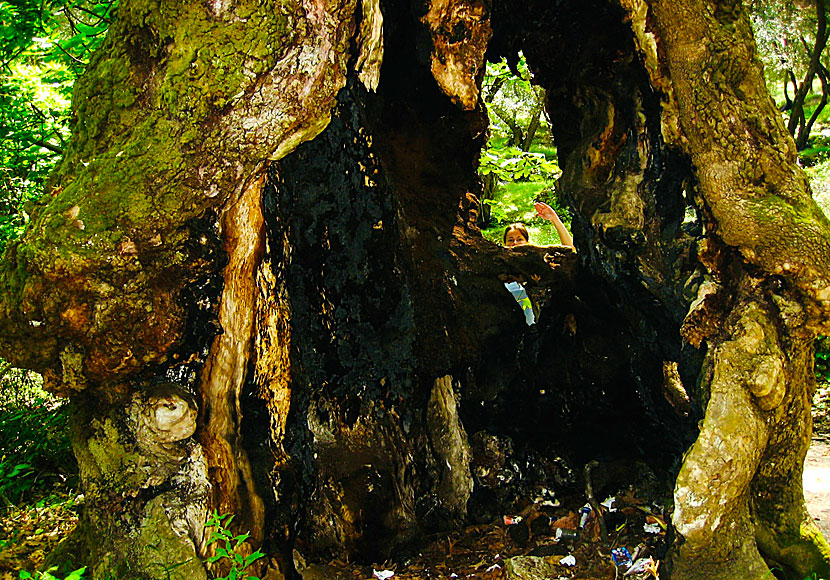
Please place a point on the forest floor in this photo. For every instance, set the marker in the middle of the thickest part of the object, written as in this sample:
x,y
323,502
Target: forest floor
x,y
526,547
522,546
817,463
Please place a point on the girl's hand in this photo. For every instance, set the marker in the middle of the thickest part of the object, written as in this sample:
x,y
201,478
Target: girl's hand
x,y
545,211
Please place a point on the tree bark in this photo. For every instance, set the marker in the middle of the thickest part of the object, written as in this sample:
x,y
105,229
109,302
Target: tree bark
x,y
535,120
119,280
726,493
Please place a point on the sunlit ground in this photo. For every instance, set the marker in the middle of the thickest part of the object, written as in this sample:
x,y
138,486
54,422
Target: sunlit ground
x,y
817,484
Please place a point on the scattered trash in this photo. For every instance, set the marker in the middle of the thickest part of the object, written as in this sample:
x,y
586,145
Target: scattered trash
x,y
654,528
584,512
568,561
493,568
608,503
657,508
382,574
643,568
512,520
621,557
547,498
564,535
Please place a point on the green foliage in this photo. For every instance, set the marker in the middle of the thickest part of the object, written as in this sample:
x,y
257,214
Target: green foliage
x,y
819,174
47,575
517,178
823,358
514,203
779,27
35,451
227,546
44,47
509,163
513,102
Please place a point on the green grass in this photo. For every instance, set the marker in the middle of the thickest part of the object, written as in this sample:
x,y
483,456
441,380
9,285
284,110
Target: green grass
x,y
35,452
819,174
516,202
810,104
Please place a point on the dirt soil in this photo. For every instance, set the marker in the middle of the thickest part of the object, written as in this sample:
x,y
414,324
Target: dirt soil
x,y
484,551
817,462
527,541
817,484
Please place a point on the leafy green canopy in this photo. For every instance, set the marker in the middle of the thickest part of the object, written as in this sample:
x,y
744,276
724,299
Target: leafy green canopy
x,y
44,46
519,165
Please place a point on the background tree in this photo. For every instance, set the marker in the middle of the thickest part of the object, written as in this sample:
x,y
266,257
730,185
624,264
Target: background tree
x,y
518,166
514,101
792,38
44,47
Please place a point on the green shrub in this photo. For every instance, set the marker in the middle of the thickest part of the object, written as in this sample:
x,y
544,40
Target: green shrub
x,y
47,575
513,164
35,451
823,358
819,173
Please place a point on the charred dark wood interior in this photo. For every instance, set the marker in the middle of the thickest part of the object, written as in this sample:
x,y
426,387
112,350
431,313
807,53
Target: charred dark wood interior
x,y
391,287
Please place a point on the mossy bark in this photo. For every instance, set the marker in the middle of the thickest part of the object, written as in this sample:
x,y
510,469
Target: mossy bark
x,y
117,282
145,484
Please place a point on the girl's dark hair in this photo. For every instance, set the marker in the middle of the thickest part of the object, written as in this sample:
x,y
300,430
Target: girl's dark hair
x,y
519,227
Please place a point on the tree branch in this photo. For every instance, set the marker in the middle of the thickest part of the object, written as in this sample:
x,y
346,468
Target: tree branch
x,y
46,145
515,130
91,13
74,58
493,89
797,125
803,137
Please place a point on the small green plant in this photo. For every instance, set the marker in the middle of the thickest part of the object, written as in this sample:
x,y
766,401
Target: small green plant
x,y
227,546
47,575
15,480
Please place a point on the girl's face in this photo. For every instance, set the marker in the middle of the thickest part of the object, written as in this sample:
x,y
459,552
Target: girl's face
x,y
514,238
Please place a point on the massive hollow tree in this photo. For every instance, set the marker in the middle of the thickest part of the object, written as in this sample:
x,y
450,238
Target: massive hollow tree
x,y
256,279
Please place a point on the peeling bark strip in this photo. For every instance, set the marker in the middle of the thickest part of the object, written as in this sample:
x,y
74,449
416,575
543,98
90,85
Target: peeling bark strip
x,y
273,372
226,368
460,32
450,443
370,42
